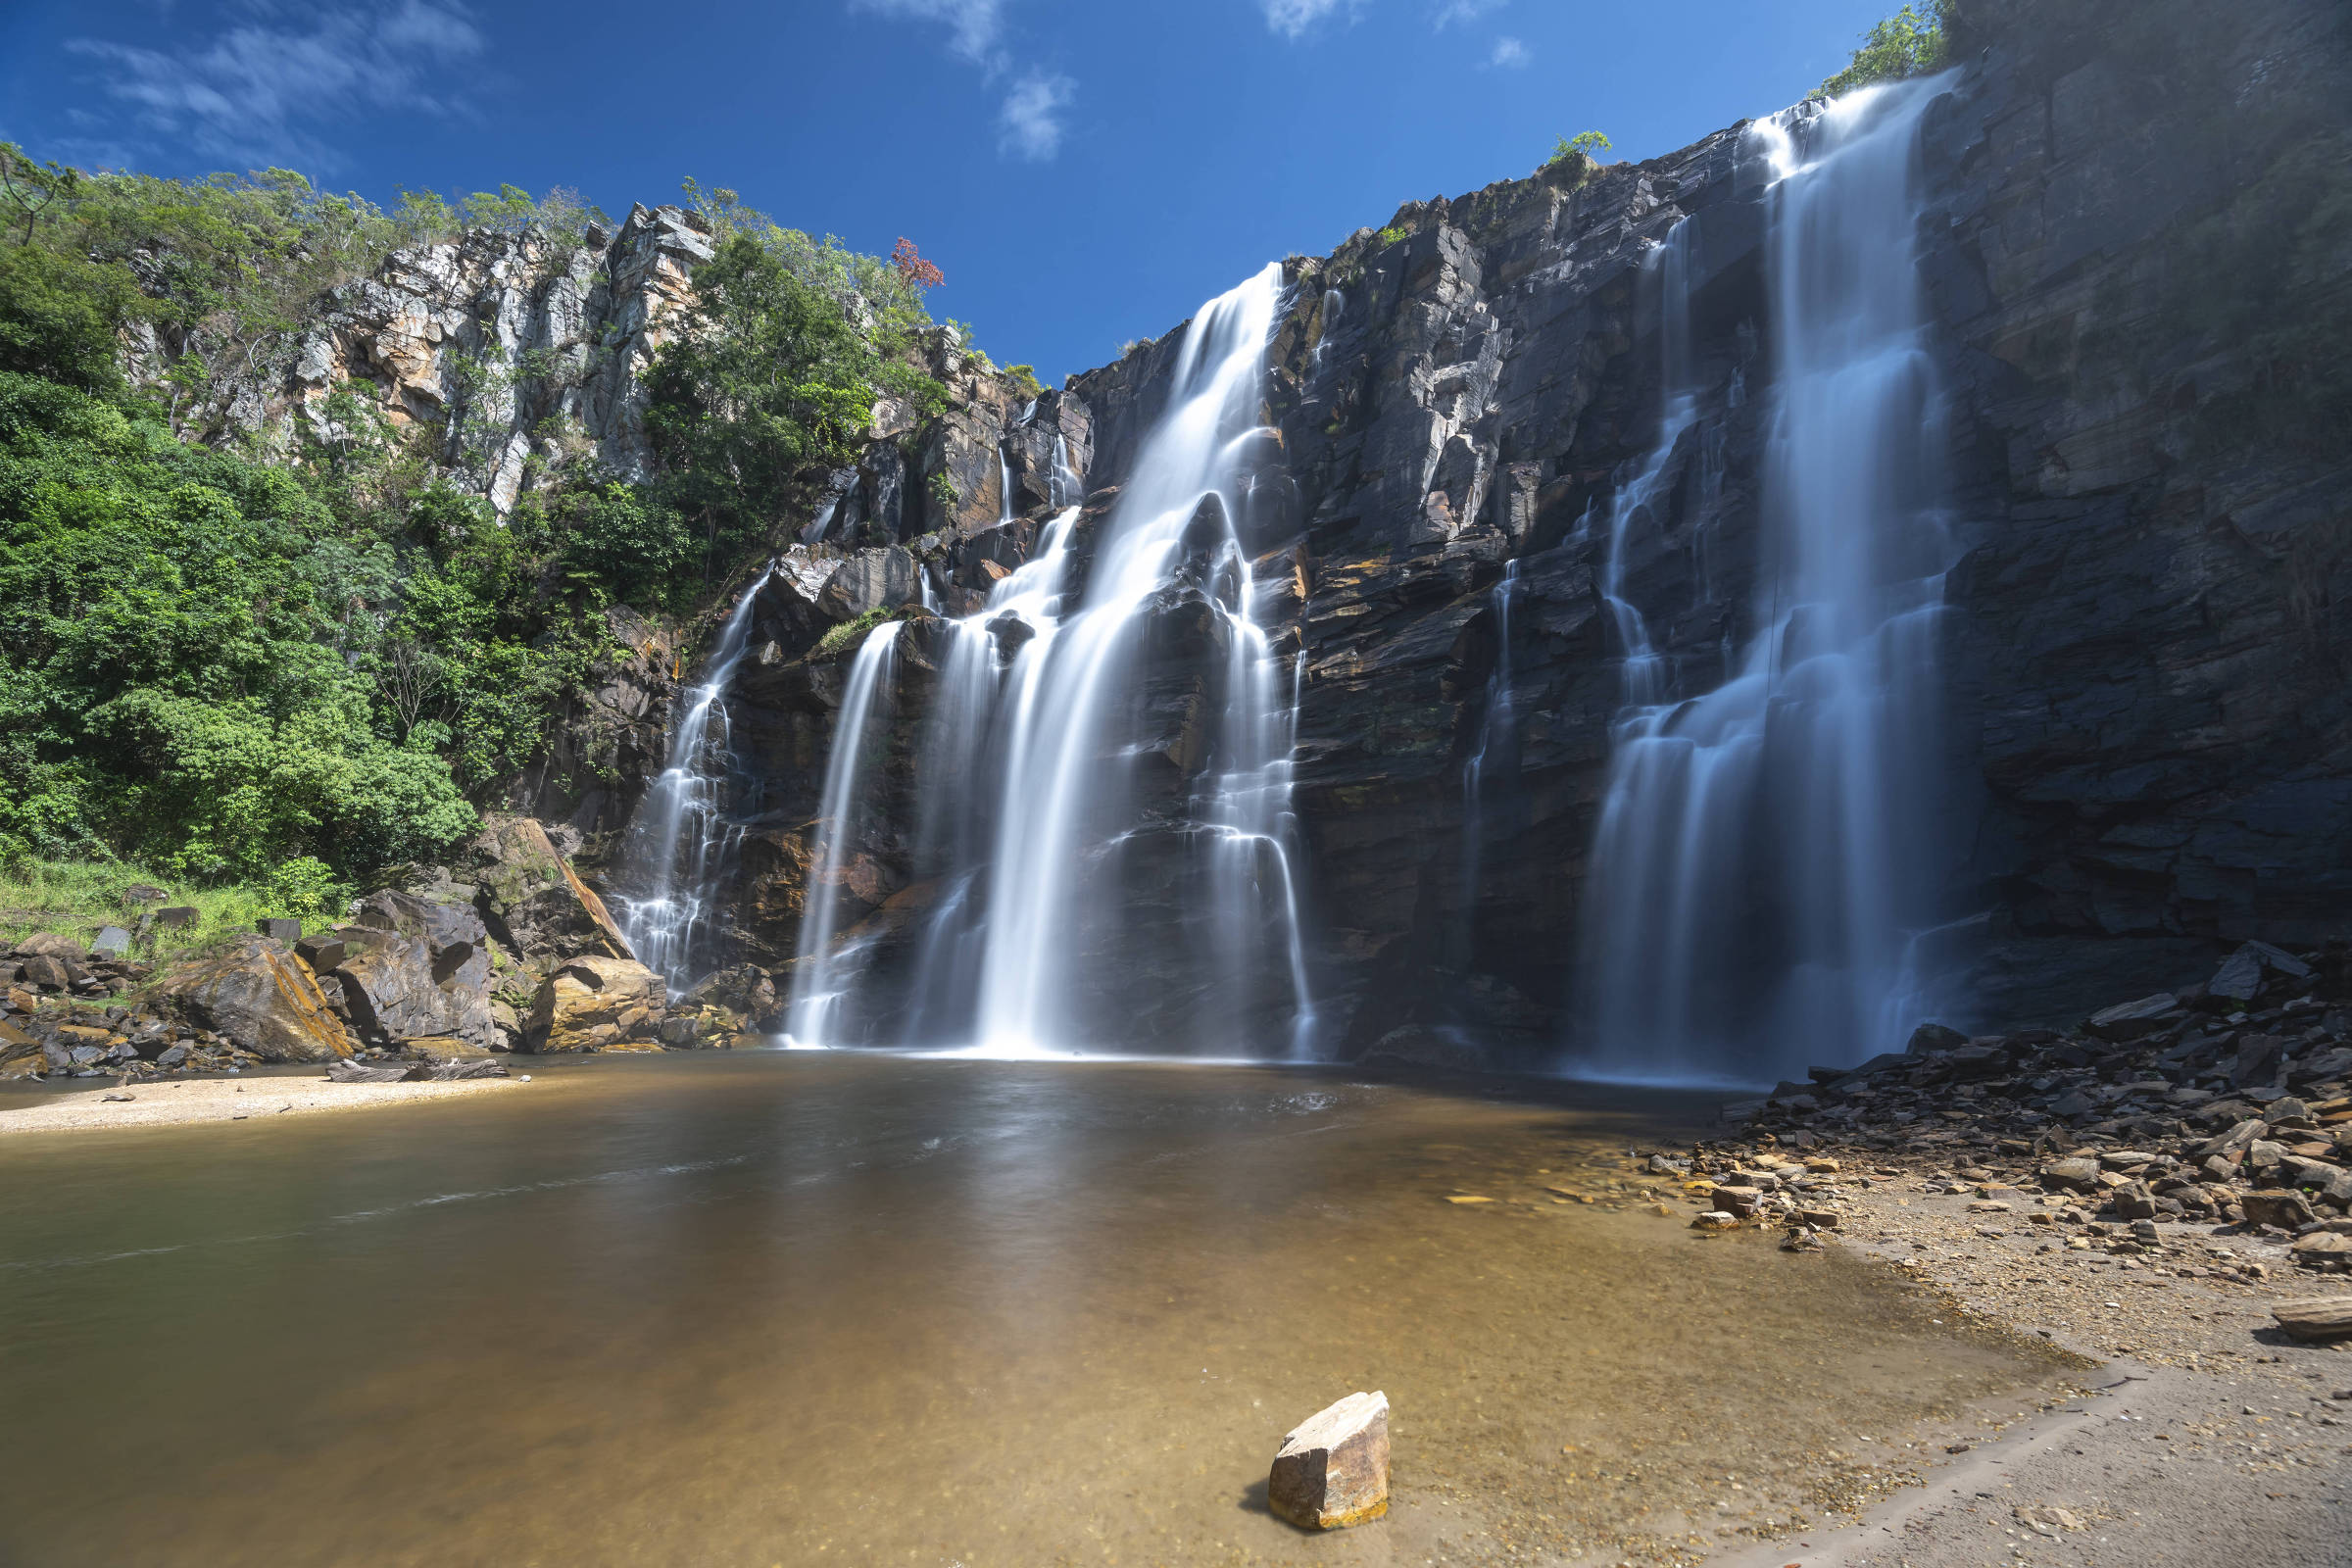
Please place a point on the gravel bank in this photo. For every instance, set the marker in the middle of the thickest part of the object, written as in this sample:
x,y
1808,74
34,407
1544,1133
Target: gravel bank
x,y
2202,1435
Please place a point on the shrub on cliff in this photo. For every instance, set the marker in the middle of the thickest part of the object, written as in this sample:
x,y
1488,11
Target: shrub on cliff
x,y
1909,44
769,384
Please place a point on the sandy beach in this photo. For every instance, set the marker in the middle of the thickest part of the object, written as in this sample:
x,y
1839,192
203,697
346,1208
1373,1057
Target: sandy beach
x,y
184,1101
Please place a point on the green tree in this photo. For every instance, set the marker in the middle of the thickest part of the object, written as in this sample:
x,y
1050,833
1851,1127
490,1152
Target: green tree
x,y
769,383
1909,44
1587,144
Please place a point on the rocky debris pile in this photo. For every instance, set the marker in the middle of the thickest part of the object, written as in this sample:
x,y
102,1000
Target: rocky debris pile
x,y
1333,1468
55,964
716,1009
57,1017
2230,1103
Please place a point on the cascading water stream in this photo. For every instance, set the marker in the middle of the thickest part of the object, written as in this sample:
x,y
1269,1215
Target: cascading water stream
x,y
1766,850
680,839
1029,778
817,985
1496,753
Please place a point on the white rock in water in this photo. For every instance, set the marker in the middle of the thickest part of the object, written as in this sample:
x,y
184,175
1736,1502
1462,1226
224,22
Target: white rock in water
x,y
1332,1470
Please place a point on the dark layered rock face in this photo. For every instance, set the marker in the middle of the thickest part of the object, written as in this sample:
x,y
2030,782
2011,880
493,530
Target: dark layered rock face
x,y
2151,493
2146,345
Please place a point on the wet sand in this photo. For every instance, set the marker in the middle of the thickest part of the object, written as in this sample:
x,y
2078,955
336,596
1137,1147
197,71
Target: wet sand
x,y
770,1308
184,1101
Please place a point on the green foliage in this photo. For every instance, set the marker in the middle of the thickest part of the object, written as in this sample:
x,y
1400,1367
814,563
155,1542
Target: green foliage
x,y
58,316
943,493
845,637
227,668
1394,233
81,896
770,385
1909,44
510,211
1024,379
1587,144
282,676
189,672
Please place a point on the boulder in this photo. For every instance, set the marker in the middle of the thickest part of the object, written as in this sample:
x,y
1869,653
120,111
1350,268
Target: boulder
x,y
49,945
2316,1322
47,972
2281,1207
288,932
393,1072
459,1071
412,969
2240,976
532,900
2078,1175
2131,1020
1333,1469
112,943
1933,1037
745,990
595,1003
20,1054
261,998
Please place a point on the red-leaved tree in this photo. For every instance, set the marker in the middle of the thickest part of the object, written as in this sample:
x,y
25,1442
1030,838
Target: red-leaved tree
x,y
913,267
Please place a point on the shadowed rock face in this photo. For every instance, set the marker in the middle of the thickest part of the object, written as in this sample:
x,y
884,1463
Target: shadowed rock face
x,y
412,969
2148,722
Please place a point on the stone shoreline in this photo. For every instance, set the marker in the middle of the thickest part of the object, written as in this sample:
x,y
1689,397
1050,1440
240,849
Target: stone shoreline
x,y
2200,1431
2148,1191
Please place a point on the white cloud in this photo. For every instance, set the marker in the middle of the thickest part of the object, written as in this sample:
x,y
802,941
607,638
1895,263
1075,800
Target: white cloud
x,y
1509,54
1290,18
1449,12
251,92
1031,123
975,26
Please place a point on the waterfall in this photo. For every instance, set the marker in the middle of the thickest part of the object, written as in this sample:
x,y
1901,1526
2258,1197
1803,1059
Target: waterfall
x,y
1496,756
818,980
1765,850
680,841
1043,787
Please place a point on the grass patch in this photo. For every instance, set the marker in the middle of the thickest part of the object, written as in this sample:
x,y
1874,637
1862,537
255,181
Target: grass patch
x,y
76,898
850,633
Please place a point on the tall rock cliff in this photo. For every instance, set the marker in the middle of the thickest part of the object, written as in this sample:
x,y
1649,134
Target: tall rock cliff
x,y
2147,717
2135,237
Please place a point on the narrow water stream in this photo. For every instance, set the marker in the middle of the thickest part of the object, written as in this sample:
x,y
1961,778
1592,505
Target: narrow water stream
x,y
818,1308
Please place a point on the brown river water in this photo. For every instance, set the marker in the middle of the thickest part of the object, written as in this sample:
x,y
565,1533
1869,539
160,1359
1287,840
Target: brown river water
x,y
804,1309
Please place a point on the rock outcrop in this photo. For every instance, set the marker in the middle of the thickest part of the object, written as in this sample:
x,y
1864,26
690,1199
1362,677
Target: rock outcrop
x,y
597,1004
2146,722
532,900
525,354
410,968
262,997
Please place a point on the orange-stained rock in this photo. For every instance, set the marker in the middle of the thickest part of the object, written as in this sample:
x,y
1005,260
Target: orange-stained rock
x,y
263,998
595,1003
1332,1470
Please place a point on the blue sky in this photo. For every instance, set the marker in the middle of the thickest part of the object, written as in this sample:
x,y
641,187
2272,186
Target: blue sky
x,y
1085,170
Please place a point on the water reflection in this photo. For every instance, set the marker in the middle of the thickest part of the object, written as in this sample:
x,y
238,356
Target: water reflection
x,y
832,1306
